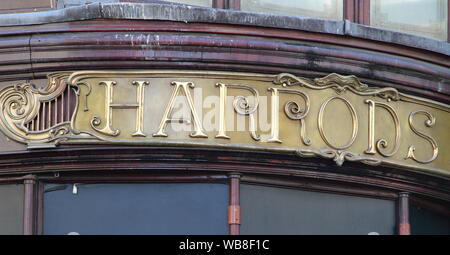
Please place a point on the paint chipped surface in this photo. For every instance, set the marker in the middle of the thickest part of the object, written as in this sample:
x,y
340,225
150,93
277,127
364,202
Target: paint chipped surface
x,y
190,14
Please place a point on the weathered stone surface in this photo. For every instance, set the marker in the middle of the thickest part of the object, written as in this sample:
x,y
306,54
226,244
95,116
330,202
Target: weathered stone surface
x,y
377,34
60,4
85,12
184,13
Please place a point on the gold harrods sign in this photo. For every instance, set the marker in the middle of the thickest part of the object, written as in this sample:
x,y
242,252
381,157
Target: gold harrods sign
x,y
335,117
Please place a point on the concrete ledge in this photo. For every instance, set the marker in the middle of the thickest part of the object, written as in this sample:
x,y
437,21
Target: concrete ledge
x,y
377,34
85,12
185,13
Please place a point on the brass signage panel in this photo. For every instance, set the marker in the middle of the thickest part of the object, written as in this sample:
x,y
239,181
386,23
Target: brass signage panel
x,y
334,117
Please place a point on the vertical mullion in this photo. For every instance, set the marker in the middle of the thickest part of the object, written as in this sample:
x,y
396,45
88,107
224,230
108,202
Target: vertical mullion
x,y
234,4
403,214
357,11
234,208
29,209
350,10
364,12
219,4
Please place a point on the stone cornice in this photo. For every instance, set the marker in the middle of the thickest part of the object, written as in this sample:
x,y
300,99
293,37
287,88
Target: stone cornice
x,y
188,14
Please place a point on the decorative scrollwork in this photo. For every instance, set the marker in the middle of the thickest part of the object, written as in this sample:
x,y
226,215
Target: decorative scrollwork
x,y
343,81
241,104
338,83
294,111
18,101
59,131
96,121
338,156
22,104
17,105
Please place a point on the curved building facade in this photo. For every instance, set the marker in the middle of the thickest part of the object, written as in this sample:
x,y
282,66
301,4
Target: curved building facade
x,y
224,117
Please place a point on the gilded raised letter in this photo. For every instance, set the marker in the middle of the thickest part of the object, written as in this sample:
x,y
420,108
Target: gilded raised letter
x,y
96,121
109,106
381,142
181,86
429,123
354,121
292,110
240,105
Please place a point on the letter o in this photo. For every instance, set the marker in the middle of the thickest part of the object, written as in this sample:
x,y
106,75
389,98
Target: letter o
x,y
354,121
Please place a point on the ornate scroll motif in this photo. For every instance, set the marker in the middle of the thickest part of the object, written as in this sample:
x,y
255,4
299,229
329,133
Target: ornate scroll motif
x,y
338,83
38,117
338,156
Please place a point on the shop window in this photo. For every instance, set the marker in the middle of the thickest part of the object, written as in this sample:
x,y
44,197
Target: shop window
x,y
269,210
11,209
328,9
154,208
422,17
427,222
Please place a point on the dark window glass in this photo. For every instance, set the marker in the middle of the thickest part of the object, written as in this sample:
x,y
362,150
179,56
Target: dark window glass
x,y
137,209
11,209
268,210
426,222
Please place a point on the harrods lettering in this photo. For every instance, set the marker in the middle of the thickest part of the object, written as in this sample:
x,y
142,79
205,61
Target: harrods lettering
x,y
183,88
334,117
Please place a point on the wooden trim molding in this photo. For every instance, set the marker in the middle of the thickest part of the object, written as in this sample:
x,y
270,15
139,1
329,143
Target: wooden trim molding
x,y
232,48
105,160
435,206
319,186
84,178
